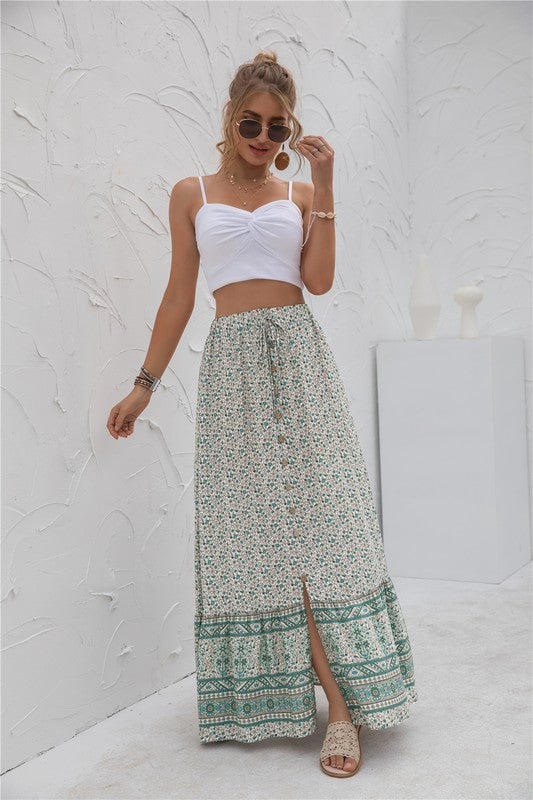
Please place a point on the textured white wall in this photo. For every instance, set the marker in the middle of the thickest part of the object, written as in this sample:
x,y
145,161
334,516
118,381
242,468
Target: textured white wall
x,y
469,90
105,107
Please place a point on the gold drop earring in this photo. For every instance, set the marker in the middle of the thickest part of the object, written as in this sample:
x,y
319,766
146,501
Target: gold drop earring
x,y
282,159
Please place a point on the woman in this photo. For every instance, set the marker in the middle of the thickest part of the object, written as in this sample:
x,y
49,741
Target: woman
x,y
292,587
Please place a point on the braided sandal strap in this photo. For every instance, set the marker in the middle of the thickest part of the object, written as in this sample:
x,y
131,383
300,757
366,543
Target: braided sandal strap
x,y
342,739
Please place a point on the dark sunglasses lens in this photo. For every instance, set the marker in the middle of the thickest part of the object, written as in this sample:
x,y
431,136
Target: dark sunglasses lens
x,y
279,133
249,128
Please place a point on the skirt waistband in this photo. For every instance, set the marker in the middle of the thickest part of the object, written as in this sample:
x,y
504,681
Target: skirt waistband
x,y
264,326
259,314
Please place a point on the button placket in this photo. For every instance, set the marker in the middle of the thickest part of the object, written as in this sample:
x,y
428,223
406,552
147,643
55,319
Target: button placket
x,y
274,369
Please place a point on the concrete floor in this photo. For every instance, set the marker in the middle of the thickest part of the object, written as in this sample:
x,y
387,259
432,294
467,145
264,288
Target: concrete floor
x,y
469,734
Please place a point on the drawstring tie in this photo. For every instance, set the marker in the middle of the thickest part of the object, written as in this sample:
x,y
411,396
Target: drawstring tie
x,y
271,332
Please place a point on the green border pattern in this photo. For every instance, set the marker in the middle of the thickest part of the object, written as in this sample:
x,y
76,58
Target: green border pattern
x,y
255,678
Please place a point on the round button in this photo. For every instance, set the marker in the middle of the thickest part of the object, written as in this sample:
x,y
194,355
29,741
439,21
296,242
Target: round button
x,y
292,510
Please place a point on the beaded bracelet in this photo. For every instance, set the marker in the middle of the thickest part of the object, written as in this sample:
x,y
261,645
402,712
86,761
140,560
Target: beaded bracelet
x,y
322,215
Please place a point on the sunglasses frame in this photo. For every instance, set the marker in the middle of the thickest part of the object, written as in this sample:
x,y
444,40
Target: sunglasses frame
x,y
272,125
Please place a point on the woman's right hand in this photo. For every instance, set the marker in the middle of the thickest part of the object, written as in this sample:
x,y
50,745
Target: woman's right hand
x,y
122,417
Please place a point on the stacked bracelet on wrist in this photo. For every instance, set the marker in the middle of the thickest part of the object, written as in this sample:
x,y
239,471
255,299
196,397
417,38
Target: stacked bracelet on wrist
x,y
322,215
147,380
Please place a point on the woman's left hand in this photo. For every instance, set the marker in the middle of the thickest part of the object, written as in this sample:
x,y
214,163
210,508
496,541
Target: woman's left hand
x,y
320,155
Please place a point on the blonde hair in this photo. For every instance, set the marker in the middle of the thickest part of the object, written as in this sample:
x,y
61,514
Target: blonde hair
x,y
262,74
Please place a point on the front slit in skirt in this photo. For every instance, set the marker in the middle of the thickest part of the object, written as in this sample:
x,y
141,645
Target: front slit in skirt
x,y
282,497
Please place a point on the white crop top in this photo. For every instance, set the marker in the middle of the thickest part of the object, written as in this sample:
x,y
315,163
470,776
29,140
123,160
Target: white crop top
x,y
236,244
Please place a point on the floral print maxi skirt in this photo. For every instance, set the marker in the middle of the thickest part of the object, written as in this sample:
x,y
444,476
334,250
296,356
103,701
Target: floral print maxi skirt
x,y
282,497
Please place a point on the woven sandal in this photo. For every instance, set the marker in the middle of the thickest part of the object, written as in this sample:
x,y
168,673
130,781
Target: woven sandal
x,y
342,739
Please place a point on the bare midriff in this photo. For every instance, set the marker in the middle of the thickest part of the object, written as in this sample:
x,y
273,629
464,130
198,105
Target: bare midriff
x,y
255,293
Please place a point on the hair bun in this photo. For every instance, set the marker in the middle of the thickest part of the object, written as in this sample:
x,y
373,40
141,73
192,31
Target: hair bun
x,y
266,55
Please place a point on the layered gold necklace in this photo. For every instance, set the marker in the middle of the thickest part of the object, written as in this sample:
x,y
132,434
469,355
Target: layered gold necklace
x,y
250,191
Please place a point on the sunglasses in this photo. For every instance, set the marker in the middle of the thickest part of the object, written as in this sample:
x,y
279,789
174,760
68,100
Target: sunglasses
x,y
250,128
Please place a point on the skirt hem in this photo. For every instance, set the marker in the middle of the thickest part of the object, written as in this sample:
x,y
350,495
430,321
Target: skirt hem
x,y
245,698
293,730
234,732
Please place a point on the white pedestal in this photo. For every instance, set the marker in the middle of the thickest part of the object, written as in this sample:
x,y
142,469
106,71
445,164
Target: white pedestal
x,y
453,458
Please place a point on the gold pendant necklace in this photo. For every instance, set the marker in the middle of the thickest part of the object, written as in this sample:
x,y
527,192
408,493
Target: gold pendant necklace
x,y
253,191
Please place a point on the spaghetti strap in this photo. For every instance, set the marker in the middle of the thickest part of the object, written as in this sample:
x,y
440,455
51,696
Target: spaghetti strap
x,y
290,190
202,188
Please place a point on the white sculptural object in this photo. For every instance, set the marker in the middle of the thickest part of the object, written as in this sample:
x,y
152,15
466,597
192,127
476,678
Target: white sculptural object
x,y
468,297
424,305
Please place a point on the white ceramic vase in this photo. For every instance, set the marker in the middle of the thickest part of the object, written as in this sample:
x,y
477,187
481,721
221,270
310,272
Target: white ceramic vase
x,y
468,297
424,305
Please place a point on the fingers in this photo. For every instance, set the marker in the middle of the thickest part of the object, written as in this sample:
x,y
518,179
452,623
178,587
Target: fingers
x,y
312,144
117,425
309,150
127,427
124,428
327,144
111,422
306,149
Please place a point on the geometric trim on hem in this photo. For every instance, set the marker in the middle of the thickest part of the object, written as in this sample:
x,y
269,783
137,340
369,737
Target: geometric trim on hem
x,y
255,678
